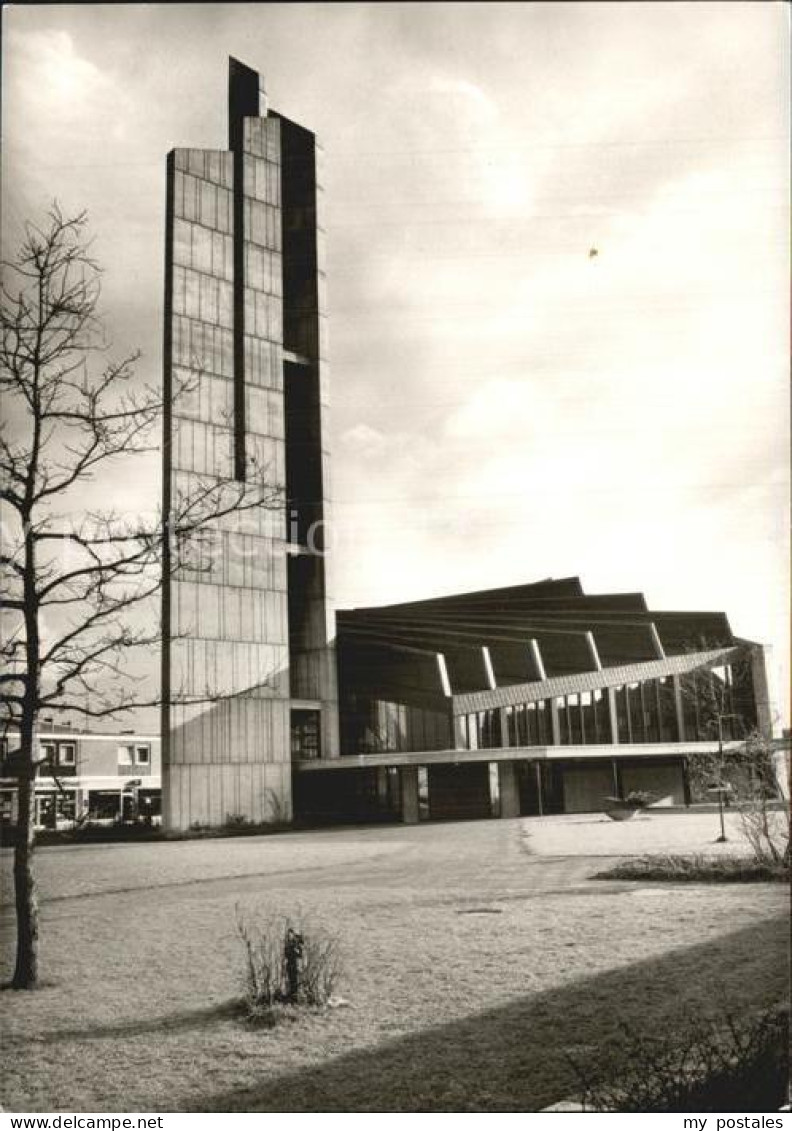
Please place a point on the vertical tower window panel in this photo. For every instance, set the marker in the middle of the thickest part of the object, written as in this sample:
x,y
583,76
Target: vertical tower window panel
x,y
190,198
208,204
182,243
196,163
223,210
276,275
178,290
225,305
202,249
192,294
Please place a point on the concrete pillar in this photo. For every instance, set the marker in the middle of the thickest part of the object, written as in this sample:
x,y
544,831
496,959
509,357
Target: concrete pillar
x,y
458,732
382,787
679,707
657,643
761,690
536,657
781,768
408,779
555,725
489,671
591,644
540,799
612,716
442,671
503,716
508,786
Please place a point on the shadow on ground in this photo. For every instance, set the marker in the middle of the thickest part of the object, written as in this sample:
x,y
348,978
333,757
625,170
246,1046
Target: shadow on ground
x,y
171,1023
513,1058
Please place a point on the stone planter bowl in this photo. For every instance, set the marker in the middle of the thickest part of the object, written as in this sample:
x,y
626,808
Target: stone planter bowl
x,y
623,813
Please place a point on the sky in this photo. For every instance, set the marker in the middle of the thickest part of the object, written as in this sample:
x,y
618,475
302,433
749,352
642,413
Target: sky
x,y
506,406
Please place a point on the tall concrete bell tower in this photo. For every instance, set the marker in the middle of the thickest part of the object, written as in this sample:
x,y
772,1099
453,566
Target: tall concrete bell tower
x,y
249,623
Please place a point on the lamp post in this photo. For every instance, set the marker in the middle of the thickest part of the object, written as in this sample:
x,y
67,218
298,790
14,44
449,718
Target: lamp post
x,y
721,788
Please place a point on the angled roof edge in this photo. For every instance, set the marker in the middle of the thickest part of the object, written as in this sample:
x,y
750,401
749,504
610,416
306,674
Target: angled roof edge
x,y
469,702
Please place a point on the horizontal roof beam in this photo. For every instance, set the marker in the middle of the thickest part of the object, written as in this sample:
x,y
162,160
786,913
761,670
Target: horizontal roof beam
x,y
590,681
348,762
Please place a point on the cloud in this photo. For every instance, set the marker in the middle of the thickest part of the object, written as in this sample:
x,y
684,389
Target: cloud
x,y
501,409
67,98
364,439
471,97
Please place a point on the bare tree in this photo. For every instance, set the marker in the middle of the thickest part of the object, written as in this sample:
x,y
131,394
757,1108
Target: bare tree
x,y
742,768
79,583
765,822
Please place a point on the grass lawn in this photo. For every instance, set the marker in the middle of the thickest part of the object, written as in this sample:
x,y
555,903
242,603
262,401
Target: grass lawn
x,y
476,954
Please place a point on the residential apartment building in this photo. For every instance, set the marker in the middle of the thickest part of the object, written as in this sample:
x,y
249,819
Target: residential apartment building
x,y
84,775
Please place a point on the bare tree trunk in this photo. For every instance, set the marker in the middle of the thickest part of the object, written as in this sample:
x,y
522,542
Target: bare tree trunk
x,y
26,970
26,897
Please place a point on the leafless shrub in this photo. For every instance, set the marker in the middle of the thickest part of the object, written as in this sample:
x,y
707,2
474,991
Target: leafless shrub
x,y
289,961
698,868
766,831
726,1064
750,774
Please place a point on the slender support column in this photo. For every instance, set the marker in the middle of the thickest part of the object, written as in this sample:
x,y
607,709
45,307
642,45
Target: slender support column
x,y
458,732
761,689
555,725
617,779
536,657
503,718
540,799
442,671
489,671
509,789
657,643
613,718
382,787
408,778
473,732
591,644
680,714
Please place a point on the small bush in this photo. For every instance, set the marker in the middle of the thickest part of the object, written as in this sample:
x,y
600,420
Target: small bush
x,y
236,821
636,799
766,830
698,868
289,961
92,832
718,1065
